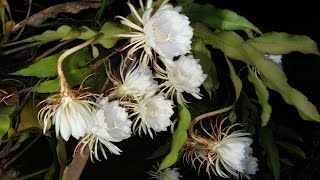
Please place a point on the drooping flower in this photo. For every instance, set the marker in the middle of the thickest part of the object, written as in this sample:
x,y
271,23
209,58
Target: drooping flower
x,y
110,123
164,30
134,83
69,114
224,152
166,174
152,112
183,75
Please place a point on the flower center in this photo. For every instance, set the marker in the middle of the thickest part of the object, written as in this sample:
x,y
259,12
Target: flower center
x,y
151,110
159,35
111,125
179,76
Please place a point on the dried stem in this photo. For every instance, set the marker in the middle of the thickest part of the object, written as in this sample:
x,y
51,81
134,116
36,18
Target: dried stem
x,y
74,169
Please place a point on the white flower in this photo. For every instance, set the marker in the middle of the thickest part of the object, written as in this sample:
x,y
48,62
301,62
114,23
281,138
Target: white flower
x,y
233,152
224,152
165,31
152,113
166,174
137,82
274,58
69,115
110,124
183,75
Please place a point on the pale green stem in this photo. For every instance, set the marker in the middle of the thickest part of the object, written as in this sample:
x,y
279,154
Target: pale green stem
x,y
33,174
201,117
64,87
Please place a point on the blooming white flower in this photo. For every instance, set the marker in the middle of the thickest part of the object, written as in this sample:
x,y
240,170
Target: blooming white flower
x,y
110,124
234,153
274,58
137,82
166,174
69,115
152,113
183,75
166,31
224,152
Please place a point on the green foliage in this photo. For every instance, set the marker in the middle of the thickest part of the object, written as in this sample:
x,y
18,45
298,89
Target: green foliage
x,y
47,36
292,149
161,151
266,140
211,83
5,119
107,40
28,117
283,43
74,67
271,74
23,137
40,68
95,51
74,77
86,33
104,4
287,133
179,138
222,19
235,80
263,96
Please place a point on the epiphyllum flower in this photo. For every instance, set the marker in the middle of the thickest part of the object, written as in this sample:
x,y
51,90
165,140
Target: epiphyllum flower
x,y
165,31
152,113
183,75
223,153
109,124
69,114
166,174
137,82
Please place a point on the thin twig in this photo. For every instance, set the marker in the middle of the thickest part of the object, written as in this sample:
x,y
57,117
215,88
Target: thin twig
x,y
102,61
49,51
22,29
22,48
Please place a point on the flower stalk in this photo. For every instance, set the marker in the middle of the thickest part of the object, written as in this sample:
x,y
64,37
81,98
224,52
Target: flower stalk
x,y
64,86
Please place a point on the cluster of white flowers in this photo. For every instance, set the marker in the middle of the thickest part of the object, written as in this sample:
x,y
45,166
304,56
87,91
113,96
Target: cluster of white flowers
x,y
136,94
159,33
157,70
99,122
